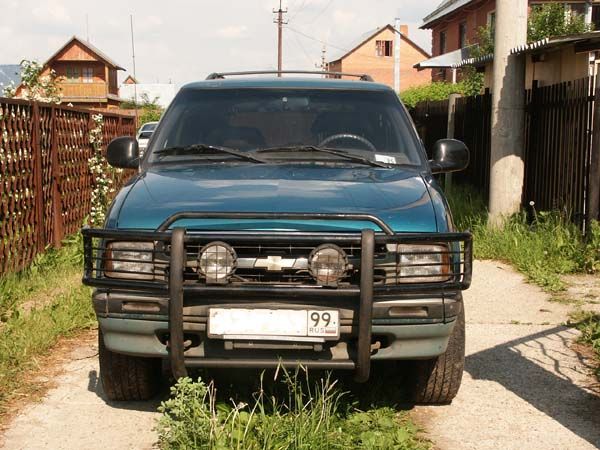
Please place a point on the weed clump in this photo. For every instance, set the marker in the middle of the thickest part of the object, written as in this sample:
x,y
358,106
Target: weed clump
x,y
541,245
310,415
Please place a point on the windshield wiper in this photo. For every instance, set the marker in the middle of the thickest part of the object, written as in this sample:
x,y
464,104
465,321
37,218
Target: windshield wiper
x,y
199,149
330,151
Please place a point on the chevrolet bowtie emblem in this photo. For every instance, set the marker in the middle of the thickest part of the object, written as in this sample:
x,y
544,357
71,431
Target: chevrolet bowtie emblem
x,y
274,263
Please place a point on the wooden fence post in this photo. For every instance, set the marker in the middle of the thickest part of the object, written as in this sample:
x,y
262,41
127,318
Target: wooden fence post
x,y
58,226
38,178
593,178
450,133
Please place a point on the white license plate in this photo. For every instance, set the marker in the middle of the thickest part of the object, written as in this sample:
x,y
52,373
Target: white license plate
x,y
272,324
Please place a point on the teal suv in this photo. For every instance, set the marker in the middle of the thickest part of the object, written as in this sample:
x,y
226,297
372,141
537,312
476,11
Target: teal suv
x,y
281,221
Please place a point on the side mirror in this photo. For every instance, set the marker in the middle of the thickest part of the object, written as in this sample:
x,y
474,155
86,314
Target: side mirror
x,y
123,152
449,155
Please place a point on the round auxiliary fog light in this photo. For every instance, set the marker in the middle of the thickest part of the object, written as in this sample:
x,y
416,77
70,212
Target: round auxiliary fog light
x,y
217,262
328,264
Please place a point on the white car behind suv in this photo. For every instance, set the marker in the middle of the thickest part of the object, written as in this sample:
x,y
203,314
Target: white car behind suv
x,y
144,135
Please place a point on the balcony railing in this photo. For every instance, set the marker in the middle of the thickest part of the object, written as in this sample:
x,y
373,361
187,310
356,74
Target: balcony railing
x,y
84,89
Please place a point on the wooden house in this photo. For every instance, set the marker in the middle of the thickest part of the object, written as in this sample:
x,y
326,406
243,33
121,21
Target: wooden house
x,y
87,77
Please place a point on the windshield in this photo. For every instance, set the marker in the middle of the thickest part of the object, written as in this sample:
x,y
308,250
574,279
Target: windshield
x,y
371,124
145,134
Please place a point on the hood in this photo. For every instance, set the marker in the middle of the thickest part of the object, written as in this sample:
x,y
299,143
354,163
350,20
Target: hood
x,y
398,196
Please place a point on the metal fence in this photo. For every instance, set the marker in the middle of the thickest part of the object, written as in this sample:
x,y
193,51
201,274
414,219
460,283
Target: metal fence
x,y
561,164
559,145
431,120
473,126
45,182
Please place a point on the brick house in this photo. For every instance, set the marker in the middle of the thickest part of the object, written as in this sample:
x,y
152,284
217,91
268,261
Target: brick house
x,y
373,54
87,77
455,24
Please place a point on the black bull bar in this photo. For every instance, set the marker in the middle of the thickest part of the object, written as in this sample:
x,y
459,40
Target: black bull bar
x,y
177,238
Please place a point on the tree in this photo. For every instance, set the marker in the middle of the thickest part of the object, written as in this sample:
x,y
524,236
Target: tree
x,y
547,20
552,20
34,85
150,110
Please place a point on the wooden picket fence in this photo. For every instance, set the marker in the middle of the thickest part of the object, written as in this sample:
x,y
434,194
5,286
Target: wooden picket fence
x,y
45,182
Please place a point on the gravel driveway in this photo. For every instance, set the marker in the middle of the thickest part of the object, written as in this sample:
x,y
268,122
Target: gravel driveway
x,y
524,385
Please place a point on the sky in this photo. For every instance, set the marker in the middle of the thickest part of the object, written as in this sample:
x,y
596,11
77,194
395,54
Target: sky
x,y
183,40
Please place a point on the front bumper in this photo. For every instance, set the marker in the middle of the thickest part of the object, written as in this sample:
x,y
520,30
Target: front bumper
x,y
173,325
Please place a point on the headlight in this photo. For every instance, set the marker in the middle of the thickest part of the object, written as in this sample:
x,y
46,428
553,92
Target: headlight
x,y
133,260
421,263
217,262
328,264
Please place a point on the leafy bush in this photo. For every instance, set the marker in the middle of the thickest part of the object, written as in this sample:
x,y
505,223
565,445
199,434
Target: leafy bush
x,y
543,246
313,416
545,20
430,92
150,110
552,19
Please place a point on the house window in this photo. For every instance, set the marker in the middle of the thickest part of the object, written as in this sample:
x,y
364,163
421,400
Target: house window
x,y
596,17
72,74
491,19
88,75
462,34
384,48
442,42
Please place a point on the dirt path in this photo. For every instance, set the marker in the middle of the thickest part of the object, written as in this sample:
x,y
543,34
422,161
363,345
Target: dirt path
x,y
524,385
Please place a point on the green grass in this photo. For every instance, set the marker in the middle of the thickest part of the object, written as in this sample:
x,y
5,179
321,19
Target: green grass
x,y
27,335
543,248
302,413
47,272
589,325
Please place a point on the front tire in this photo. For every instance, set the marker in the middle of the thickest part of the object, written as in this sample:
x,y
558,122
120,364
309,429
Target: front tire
x,y
127,378
436,381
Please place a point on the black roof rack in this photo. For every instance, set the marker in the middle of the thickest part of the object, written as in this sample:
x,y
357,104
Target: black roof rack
x,y
221,76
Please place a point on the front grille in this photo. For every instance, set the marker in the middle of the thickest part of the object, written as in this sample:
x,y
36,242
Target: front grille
x,y
280,259
273,264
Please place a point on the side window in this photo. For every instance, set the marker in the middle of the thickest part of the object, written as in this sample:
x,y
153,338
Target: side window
x,y
88,75
442,42
384,48
462,34
72,74
491,20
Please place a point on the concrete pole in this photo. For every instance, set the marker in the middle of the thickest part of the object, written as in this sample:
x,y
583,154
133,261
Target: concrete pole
x,y
397,45
508,111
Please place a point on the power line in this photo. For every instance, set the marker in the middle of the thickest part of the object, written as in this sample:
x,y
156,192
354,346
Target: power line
x,y
322,11
310,60
298,10
337,47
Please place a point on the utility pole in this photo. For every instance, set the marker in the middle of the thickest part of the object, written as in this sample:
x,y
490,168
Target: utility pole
x,y
134,74
397,43
280,23
323,65
508,111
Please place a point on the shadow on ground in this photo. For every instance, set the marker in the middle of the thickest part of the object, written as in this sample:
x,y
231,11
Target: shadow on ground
x,y
242,385
521,365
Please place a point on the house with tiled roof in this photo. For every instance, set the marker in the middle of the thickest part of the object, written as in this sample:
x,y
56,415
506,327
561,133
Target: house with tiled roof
x,y
87,77
373,53
455,23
